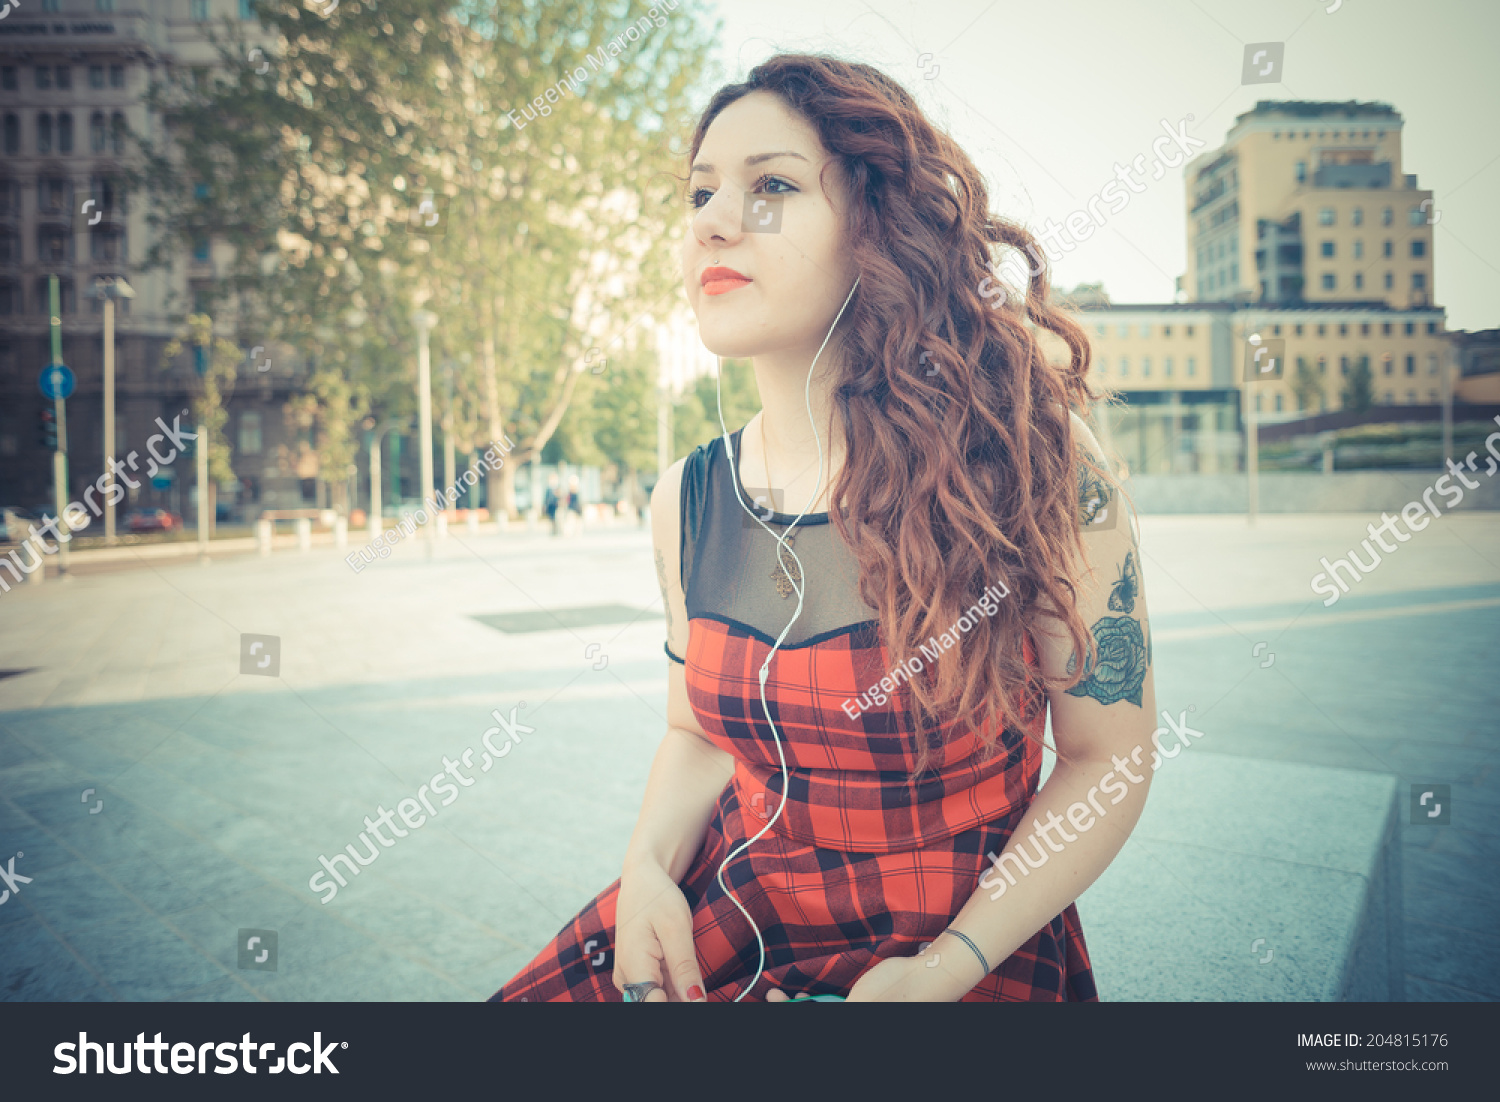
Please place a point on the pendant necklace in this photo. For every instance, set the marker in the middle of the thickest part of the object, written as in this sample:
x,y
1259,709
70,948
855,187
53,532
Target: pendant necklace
x,y
779,575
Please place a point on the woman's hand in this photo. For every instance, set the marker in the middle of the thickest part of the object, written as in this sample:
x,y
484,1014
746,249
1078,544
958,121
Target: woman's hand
x,y
654,935
928,977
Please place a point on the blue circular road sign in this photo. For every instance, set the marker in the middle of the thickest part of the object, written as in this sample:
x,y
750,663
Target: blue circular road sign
x,y
57,381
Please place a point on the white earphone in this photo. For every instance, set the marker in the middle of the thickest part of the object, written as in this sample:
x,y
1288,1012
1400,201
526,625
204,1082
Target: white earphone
x,y
798,582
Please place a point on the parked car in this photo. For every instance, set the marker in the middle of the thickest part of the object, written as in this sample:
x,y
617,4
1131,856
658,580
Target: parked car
x,y
15,524
152,520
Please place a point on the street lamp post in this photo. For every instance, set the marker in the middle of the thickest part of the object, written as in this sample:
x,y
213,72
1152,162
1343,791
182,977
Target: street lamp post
x,y
424,320
109,289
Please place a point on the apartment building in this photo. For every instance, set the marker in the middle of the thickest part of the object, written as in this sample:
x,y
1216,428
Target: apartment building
x,y
74,76
1306,239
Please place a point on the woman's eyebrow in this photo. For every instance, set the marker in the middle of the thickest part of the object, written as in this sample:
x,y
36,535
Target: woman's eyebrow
x,y
754,160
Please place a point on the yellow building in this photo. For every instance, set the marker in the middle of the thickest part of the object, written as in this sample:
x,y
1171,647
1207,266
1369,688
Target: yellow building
x,y
1309,248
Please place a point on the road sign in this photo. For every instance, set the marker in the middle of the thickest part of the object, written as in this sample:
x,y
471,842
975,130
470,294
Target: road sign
x,y
57,381
162,481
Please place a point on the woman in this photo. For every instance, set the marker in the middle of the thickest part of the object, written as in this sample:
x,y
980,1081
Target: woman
x,y
974,552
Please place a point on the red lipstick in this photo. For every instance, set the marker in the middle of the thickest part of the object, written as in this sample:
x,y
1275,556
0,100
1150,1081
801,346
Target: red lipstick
x,y
720,281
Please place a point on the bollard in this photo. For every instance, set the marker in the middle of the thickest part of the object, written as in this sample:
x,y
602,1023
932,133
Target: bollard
x,y
263,536
442,526
37,575
341,532
304,534
471,522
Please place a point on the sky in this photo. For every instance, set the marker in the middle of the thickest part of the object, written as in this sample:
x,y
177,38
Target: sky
x,y
1045,97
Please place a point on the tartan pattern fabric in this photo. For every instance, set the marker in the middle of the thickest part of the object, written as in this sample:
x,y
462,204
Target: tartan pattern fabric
x,y
847,778
861,864
826,916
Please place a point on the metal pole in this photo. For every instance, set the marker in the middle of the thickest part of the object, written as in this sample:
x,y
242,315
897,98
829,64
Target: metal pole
x,y
1448,404
375,487
450,460
200,451
425,321
1252,458
59,407
109,418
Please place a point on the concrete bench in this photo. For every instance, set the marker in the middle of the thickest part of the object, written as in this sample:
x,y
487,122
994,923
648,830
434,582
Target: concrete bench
x,y
1252,880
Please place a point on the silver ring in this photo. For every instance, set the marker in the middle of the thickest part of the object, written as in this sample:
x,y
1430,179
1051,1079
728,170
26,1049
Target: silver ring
x,y
637,992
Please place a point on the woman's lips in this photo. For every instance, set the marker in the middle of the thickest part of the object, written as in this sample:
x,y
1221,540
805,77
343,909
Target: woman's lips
x,y
718,280
723,286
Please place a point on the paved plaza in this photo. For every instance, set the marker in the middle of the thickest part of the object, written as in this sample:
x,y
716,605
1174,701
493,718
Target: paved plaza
x,y
165,786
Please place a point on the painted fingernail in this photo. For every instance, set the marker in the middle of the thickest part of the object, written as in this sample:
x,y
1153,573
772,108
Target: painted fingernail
x,y
695,994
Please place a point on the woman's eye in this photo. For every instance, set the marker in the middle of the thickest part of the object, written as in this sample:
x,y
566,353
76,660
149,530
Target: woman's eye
x,y
698,196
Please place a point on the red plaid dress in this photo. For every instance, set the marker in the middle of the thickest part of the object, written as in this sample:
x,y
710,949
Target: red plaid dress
x,y
861,865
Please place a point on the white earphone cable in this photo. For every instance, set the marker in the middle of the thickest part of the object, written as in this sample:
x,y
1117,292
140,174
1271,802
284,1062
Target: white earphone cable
x,y
798,585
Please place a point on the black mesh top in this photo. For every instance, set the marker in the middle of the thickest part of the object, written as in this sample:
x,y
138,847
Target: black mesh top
x,y
729,560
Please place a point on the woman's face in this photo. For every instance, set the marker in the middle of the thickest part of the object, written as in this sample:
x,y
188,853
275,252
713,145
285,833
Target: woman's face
x,y
757,208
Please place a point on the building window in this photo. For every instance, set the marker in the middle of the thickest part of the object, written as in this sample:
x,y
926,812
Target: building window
x,y
1325,216
1188,330
1431,364
1386,364
12,135
246,11
1124,329
1357,216
1145,367
104,5
1359,249
1322,365
1257,401
43,77
1166,367
96,76
1390,398
1145,329
1419,281
1101,330
200,249
1359,281
1166,330
1192,366
1387,249
1390,280
1431,328
1432,396
1418,247
64,77
1297,330
44,133
1343,329
108,247
117,76
52,195
1327,248
1301,172
1411,365
49,5
1343,365
96,132
52,245
1417,216
1410,328
1328,281
64,132
199,9
1411,397
117,132
1278,403
8,78
250,442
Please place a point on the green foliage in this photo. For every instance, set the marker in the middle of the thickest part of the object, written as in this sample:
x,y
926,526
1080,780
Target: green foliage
x,y
554,235
221,360
695,418
1359,392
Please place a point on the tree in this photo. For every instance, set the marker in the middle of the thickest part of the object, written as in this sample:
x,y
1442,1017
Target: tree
x,y
1358,393
695,419
1307,387
216,361
385,160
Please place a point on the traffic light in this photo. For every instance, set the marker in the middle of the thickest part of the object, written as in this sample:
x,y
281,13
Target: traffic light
x,y
49,428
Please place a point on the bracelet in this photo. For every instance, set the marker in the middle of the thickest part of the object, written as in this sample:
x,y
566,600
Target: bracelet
x,y
970,943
